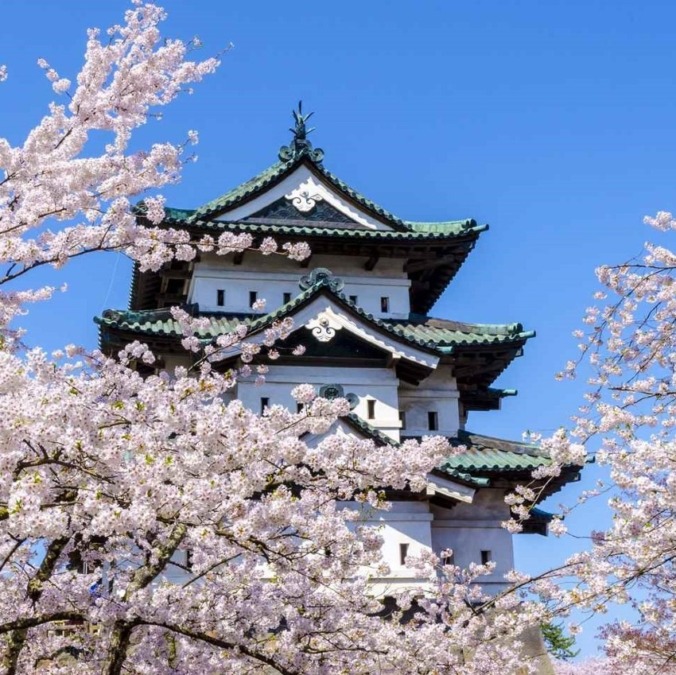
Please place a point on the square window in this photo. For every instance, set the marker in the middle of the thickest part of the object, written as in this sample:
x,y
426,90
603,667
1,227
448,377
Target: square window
x,y
486,557
220,297
432,420
287,298
353,299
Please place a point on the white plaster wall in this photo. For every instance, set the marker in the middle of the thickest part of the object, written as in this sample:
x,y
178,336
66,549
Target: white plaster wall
x,y
340,265
404,523
468,529
379,384
272,277
438,393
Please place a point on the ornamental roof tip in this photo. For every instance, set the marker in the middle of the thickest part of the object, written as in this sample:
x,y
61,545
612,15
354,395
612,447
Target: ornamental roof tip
x,y
321,276
300,145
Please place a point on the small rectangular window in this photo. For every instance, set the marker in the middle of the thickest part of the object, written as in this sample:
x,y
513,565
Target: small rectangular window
x,y
287,297
370,409
432,420
220,297
299,407
384,304
448,559
353,299
253,296
403,552
402,419
486,557
265,402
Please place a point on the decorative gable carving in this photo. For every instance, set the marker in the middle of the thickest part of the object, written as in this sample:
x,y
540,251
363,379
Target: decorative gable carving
x,y
322,327
304,193
321,213
305,196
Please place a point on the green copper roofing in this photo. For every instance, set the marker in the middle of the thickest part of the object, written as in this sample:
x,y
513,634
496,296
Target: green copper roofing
x,y
487,454
242,191
369,430
422,332
445,227
484,454
452,229
276,173
542,515
383,439
444,333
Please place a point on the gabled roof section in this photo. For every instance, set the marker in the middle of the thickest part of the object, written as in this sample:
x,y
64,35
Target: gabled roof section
x,y
276,174
293,180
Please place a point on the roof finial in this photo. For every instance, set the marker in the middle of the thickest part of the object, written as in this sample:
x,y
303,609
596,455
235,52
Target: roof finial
x,y
301,131
300,145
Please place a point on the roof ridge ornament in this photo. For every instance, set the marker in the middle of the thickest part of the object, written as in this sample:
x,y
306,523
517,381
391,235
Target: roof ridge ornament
x,y
321,276
300,145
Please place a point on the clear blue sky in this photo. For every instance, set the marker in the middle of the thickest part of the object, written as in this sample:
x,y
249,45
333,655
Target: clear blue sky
x,y
552,121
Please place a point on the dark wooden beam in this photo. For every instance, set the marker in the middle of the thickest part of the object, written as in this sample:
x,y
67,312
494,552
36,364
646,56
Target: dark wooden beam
x,y
431,263
372,262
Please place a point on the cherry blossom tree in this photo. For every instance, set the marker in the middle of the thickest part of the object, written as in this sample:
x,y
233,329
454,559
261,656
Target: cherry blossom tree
x,y
108,481
628,421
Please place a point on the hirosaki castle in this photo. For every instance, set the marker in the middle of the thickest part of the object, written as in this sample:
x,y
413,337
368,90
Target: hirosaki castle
x,y
360,306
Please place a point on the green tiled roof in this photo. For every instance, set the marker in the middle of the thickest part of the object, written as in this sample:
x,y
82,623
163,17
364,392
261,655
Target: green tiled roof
x,y
242,191
423,332
178,214
487,454
275,173
368,430
203,215
372,432
444,231
443,227
484,454
443,333
159,322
